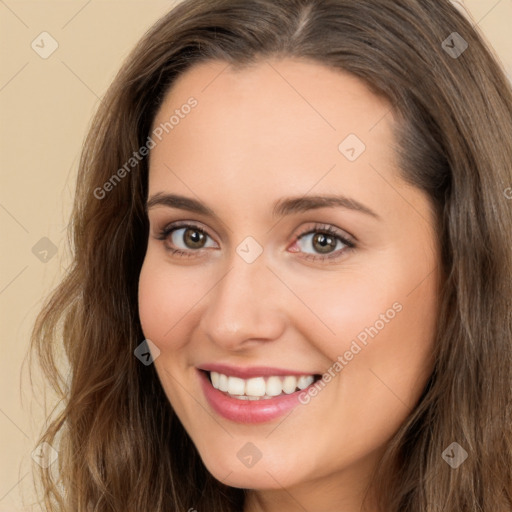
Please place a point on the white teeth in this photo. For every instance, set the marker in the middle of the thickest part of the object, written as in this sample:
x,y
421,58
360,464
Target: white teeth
x,y
305,381
223,382
215,379
258,388
236,386
289,384
274,386
255,386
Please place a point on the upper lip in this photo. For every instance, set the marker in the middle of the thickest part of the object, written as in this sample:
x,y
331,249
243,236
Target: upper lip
x,y
252,371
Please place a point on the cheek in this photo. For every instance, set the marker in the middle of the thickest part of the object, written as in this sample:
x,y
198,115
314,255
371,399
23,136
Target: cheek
x,y
380,353
165,297
392,296
381,323
360,308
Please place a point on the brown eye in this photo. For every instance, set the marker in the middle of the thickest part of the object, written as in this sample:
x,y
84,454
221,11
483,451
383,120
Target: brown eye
x,y
323,243
193,238
185,239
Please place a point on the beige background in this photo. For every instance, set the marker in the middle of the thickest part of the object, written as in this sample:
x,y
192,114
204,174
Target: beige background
x,y
45,108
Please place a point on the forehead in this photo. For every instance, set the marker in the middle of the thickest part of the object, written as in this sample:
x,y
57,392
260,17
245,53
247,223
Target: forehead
x,y
275,125
303,89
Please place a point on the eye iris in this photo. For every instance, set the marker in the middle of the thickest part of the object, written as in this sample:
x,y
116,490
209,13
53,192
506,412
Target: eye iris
x,y
194,238
326,242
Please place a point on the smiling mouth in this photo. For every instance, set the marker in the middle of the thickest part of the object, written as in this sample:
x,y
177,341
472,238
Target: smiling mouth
x,y
259,388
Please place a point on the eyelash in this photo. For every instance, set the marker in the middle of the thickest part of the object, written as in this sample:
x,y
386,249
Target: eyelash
x,y
317,228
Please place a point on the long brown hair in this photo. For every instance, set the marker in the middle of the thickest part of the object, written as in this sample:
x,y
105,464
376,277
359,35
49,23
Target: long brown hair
x,y
121,446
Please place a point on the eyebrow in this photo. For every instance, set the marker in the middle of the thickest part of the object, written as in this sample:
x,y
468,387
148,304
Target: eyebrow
x,y
282,207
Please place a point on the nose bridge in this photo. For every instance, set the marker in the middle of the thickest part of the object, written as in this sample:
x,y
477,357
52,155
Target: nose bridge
x,y
243,304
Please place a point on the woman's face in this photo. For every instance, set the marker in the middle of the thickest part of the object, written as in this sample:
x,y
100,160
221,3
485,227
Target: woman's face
x,y
267,158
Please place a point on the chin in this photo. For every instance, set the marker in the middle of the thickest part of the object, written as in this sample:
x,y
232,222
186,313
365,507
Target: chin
x,y
263,475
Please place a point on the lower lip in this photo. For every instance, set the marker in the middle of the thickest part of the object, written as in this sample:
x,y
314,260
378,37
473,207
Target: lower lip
x,y
247,411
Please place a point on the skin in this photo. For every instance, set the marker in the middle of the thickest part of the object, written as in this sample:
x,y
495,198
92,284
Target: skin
x,y
257,135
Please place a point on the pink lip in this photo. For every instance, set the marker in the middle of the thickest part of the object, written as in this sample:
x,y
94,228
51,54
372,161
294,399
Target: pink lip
x,y
254,371
247,411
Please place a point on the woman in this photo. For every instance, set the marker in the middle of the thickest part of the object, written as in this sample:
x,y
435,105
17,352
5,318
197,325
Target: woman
x,y
291,284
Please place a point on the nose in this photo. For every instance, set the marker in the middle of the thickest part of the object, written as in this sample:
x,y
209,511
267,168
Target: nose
x,y
244,307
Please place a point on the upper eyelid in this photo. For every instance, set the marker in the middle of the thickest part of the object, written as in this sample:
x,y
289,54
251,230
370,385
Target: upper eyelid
x,y
316,227
173,226
184,224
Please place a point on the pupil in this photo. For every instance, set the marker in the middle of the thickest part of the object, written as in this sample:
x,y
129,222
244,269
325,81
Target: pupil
x,y
326,242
